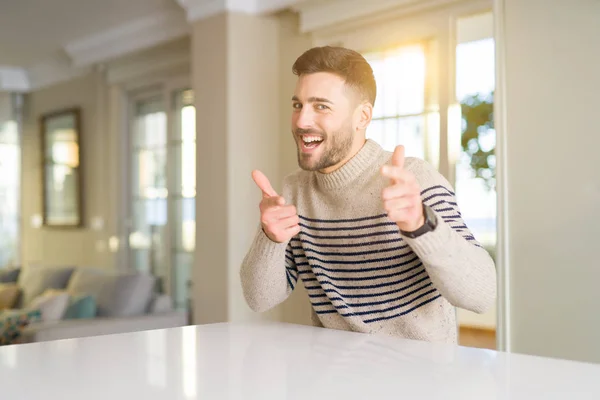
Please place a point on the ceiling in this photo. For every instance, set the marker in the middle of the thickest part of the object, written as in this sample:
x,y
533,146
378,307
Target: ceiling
x,y
31,31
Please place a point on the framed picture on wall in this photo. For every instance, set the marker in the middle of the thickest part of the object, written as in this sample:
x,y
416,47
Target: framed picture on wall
x,y
61,169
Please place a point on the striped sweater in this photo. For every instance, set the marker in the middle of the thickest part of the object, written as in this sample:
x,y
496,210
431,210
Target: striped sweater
x,y
360,273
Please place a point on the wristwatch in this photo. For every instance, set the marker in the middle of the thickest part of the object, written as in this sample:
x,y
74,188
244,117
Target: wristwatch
x,y
430,224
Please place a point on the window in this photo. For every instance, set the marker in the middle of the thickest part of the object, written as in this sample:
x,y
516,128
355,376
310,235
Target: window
x,y
10,177
163,189
183,193
407,111
476,166
401,113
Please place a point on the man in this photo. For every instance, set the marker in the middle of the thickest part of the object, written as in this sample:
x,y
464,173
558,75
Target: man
x,y
376,238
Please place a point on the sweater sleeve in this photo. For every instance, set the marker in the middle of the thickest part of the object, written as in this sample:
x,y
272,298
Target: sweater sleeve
x,y
459,267
268,272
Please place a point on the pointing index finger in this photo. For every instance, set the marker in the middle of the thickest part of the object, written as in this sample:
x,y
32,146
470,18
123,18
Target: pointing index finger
x,y
398,157
263,184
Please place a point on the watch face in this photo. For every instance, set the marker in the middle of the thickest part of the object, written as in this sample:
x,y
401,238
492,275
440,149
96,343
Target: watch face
x,y
430,217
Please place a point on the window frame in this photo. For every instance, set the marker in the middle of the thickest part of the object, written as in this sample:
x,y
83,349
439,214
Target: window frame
x,y
140,90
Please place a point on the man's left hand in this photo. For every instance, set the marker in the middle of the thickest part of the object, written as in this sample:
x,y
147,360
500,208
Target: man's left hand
x,y
402,199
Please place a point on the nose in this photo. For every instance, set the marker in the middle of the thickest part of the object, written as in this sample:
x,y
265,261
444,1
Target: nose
x,y
304,118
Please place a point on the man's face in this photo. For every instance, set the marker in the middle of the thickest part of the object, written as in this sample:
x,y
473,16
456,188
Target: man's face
x,y
322,121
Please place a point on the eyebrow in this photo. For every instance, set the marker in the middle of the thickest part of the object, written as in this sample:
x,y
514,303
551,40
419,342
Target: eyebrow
x,y
314,100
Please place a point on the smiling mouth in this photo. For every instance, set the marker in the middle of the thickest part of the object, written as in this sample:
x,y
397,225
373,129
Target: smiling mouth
x,y
310,142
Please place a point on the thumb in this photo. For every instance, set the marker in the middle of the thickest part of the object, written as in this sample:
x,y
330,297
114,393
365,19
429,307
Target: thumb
x,y
398,157
263,184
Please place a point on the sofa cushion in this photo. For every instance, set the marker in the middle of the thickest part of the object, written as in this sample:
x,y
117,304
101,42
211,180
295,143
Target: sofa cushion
x,y
52,305
9,275
36,280
81,307
117,294
9,294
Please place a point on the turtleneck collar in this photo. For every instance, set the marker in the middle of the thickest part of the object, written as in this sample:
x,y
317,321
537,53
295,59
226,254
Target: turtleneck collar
x,y
352,169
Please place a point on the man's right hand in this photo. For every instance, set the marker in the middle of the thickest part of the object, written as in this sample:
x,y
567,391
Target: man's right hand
x,y
279,221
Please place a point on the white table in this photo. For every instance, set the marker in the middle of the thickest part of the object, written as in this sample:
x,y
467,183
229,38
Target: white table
x,y
280,361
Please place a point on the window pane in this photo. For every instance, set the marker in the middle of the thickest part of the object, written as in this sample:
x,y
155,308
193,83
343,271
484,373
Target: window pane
x,y
183,196
399,112
63,187
150,173
475,170
184,159
375,131
411,135
400,77
181,278
10,165
184,224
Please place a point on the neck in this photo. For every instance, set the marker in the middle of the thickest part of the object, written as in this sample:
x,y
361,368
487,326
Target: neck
x,y
356,146
361,161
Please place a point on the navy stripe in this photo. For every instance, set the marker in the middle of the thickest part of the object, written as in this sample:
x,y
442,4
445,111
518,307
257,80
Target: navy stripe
x,y
444,209
407,303
357,314
353,245
287,274
404,312
366,278
290,259
326,312
446,217
367,295
437,187
374,303
443,202
398,265
375,286
358,262
335,221
350,254
366,235
293,273
364,295
463,226
349,228
433,196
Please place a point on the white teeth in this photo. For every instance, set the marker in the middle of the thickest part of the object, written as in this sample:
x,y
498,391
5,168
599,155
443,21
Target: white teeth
x,y
310,139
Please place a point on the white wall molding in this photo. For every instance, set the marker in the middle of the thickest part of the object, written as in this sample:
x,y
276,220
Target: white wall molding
x,y
146,64
52,71
139,34
201,9
338,14
272,6
14,79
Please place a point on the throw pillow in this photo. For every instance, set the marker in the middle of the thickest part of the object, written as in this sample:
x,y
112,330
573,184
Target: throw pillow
x,y
9,294
52,305
13,322
81,307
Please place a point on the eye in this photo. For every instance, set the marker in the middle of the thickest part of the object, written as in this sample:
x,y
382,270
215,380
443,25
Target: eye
x,y
322,107
297,106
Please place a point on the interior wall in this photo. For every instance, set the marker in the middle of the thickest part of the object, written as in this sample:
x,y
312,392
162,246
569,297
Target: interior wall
x,y
551,189
296,309
235,80
51,246
252,138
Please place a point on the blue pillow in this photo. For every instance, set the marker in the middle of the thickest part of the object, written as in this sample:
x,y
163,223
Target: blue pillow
x,y
81,307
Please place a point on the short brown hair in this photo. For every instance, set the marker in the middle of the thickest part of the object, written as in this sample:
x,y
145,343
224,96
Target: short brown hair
x,y
347,64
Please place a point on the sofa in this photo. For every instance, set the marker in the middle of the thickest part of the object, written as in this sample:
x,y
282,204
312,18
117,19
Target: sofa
x,y
40,303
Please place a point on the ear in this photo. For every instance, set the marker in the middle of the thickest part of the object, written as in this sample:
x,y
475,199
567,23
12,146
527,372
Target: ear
x,y
364,113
